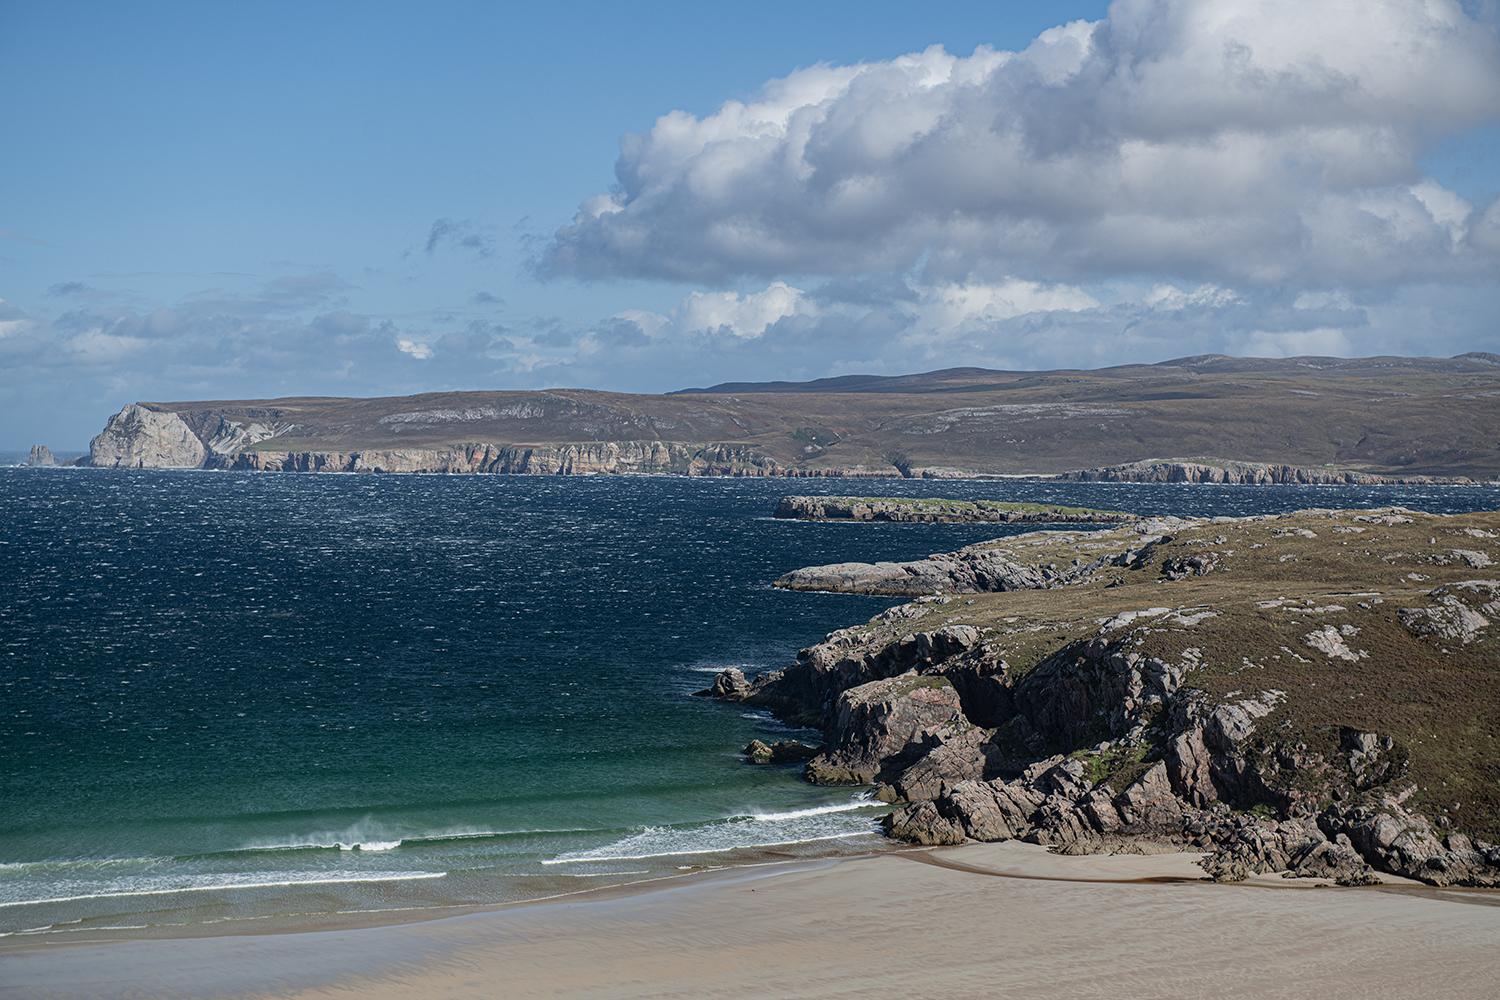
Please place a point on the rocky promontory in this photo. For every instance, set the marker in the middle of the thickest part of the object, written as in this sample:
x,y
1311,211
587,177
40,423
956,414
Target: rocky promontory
x,y
933,510
1287,420
139,437
1315,693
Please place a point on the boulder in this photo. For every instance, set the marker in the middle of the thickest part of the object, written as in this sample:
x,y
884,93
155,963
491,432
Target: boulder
x,y
729,684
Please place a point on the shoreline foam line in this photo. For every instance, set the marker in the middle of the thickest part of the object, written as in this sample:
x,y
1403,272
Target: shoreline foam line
x,y
706,850
810,811
392,877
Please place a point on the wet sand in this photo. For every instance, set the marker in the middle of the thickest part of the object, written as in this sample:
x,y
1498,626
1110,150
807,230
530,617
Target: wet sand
x,y
981,921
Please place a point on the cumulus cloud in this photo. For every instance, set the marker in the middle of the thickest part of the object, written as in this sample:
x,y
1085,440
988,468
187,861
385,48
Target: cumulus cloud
x,y
938,310
1239,142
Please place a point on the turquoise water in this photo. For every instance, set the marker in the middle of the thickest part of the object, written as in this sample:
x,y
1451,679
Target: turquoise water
x,y
233,697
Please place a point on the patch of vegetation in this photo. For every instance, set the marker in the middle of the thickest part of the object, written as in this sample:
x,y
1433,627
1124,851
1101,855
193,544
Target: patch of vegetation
x,y
1120,767
818,437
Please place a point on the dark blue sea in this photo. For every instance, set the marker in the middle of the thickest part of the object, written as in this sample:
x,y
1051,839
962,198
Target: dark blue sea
x,y
228,698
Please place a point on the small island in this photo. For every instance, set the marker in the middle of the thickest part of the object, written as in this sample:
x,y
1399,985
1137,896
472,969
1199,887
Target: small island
x,y
935,509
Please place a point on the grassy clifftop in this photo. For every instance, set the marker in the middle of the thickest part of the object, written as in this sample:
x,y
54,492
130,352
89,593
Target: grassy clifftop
x,y
1380,416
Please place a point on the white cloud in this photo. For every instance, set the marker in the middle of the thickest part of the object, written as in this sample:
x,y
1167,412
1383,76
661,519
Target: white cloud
x,y
1323,300
746,316
1446,208
1227,141
1169,298
416,349
954,307
12,319
1320,342
929,310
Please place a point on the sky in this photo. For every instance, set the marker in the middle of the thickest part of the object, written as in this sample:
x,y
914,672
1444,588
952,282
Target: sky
x,y
243,201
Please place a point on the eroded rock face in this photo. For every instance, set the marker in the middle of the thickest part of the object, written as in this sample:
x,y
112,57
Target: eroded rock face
x,y
879,724
41,455
140,438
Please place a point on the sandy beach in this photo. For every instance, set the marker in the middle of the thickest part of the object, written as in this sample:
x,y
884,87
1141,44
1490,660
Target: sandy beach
x,y
983,920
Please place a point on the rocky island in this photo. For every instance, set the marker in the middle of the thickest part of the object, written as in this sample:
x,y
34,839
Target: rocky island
x,y
931,510
1315,693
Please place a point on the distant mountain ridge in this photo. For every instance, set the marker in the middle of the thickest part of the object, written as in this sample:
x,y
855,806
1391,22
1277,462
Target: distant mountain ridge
x,y
970,379
1309,419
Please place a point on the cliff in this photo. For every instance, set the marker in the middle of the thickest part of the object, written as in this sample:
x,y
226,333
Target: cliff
x,y
1238,474
1303,420
139,437
1316,693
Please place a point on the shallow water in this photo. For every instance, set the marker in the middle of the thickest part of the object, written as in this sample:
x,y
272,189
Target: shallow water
x,y
234,696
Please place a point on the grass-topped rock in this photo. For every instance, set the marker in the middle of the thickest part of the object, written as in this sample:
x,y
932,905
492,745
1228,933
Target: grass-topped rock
x,y
936,509
1316,693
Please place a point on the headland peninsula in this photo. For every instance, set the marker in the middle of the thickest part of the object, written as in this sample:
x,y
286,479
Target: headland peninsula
x,y
1315,693
1211,418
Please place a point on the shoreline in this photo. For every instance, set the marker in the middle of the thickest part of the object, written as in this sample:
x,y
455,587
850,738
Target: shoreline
x,y
975,920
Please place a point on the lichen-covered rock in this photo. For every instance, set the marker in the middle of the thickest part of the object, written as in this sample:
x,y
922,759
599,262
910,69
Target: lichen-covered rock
x,y
1448,619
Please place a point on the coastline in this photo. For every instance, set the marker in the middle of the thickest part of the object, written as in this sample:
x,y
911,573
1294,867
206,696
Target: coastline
x,y
970,921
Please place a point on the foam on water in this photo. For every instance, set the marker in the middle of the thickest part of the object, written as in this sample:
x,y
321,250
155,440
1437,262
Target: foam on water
x,y
738,832
860,802
260,880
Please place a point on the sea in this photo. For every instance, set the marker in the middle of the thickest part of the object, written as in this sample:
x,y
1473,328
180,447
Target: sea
x,y
234,701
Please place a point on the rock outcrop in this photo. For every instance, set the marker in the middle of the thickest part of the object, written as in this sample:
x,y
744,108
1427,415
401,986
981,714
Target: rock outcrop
x,y
142,438
990,567
878,724
1274,732
41,455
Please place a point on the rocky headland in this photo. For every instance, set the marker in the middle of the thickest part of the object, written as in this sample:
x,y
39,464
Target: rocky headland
x,y
1293,420
1315,693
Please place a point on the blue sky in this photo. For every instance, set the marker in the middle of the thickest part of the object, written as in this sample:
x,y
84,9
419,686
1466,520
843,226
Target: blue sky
x,y
213,201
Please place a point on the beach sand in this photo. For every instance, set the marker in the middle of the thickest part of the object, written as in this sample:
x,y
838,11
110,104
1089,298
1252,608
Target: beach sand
x,y
983,920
